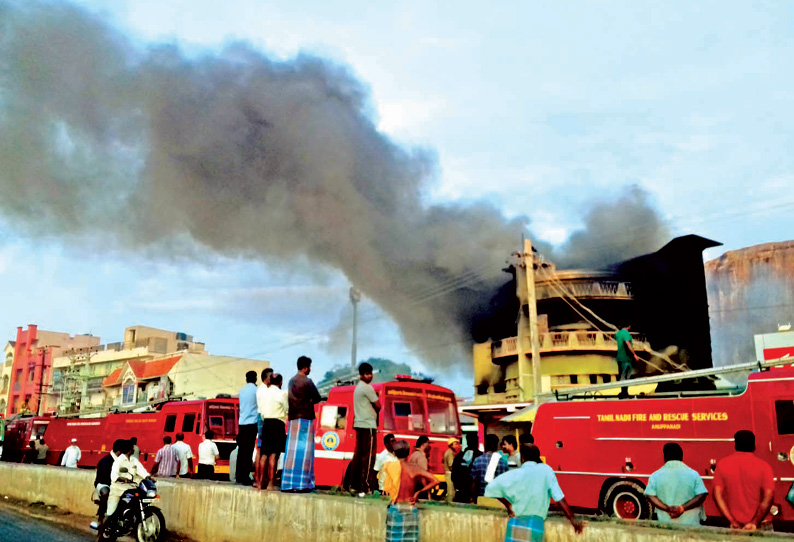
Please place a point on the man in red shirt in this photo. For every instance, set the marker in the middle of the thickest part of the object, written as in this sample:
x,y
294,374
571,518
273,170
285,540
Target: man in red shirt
x,y
744,485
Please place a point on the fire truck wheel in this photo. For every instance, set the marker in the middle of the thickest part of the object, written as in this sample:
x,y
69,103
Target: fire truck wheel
x,y
626,500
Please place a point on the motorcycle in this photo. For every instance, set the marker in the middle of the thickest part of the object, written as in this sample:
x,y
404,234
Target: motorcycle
x,y
136,515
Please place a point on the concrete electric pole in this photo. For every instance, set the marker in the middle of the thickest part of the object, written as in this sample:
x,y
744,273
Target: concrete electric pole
x,y
355,297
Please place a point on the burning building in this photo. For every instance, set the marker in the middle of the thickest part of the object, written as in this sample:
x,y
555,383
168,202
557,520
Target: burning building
x,y
661,295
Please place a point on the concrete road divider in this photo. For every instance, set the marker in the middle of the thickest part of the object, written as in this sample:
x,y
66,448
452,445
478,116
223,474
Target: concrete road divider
x,y
218,512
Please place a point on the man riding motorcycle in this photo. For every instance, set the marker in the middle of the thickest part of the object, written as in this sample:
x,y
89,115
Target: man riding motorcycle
x,y
102,481
126,473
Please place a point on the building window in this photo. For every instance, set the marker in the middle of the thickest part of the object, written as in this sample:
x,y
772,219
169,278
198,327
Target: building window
x,y
128,393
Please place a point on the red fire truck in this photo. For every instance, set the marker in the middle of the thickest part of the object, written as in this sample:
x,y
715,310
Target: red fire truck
x,y
95,436
604,450
410,408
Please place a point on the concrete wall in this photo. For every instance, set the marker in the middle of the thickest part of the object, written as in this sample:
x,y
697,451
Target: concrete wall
x,y
217,512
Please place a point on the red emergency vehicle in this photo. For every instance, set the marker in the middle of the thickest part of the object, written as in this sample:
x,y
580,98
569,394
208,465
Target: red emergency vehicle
x,y
95,436
410,408
603,451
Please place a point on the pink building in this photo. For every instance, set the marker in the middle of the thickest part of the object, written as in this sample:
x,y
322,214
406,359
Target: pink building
x,y
31,373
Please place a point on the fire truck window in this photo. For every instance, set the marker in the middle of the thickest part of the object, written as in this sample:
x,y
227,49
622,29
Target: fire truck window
x,y
785,417
333,417
170,423
404,414
442,416
216,421
187,423
402,410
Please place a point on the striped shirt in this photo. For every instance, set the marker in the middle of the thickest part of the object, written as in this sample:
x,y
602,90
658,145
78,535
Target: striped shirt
x,y
167,460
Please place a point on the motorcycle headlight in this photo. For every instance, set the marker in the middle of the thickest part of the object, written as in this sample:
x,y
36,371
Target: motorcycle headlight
x,y
151,494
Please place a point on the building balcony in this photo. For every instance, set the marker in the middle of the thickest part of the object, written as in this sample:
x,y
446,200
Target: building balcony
x,y
567,341
587,285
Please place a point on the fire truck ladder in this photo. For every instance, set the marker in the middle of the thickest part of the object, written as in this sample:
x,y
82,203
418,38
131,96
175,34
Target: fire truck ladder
x,y
592,392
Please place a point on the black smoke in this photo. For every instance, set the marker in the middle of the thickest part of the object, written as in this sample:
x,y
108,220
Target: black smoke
x,y
244,155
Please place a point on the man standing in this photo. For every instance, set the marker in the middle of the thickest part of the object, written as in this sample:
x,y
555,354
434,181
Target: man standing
x,y
510,449
136,452
461,469
365,423
246,431
207,457
453,449
525,492
71,456
298,471
677,491
487,467
42,449
184,455
402,479
260,461
744,485
419,456
386,456
166,462
273,407
625,358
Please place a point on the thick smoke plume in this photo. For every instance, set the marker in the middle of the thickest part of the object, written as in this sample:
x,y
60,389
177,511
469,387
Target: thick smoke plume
x,y
246,156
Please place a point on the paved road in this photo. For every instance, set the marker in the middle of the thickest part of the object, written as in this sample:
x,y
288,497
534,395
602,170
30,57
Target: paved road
x,y
17,527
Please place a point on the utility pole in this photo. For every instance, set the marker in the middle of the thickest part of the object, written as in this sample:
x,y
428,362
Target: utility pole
x,y
529,267
355,297
528,326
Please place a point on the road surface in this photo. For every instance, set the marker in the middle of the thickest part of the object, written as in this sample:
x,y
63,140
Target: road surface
x,y
18,527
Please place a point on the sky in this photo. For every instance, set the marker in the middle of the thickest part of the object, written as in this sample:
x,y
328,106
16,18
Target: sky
x,y
539,109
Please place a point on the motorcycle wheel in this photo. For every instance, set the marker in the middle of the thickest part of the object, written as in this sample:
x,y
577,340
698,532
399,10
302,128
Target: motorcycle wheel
x,y
152,528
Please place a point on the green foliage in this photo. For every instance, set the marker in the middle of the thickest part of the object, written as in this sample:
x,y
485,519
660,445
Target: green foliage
x,y
385,370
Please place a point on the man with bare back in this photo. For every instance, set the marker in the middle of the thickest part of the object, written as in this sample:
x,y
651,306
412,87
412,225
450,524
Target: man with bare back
x,y
401,480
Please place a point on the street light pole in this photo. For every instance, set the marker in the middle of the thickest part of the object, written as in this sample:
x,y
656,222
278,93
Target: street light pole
x,y
355,297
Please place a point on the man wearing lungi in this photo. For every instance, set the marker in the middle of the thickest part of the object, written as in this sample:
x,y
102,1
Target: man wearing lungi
x,y
525,492
401,480
298,472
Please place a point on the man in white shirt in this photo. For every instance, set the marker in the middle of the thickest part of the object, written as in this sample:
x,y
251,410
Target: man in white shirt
x,y
207,455
273,404
126,473
71,456
260,461
185,456
386,456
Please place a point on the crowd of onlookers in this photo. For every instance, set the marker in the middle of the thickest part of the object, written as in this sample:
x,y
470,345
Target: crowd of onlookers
x,y
273,421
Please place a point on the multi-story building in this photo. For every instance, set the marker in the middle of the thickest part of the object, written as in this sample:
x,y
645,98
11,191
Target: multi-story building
x,y
79,373
34,351
662,296
5,375
150,365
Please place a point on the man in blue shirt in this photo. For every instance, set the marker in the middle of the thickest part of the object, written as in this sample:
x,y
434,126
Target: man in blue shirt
x,y
247,428
525,492
486,467
677,491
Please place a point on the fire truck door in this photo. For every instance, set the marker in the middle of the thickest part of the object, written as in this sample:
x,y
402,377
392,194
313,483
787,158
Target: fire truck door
x,y
782,437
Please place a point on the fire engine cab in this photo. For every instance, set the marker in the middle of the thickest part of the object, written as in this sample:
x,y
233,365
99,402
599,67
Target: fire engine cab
x,y
604,450
410,408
